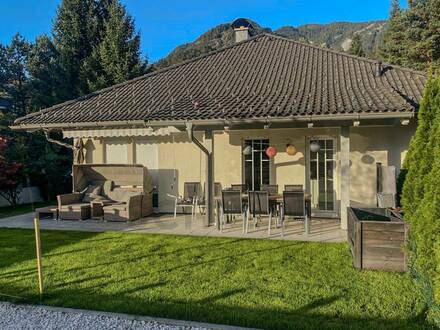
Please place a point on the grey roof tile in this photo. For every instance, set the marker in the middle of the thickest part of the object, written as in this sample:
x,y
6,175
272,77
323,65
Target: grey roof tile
x,y
265,76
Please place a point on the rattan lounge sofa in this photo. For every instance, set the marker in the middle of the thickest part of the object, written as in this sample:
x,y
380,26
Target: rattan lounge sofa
x,y
124,192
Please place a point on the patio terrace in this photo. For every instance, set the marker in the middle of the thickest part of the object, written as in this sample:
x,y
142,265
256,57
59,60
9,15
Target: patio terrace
x,y
321,230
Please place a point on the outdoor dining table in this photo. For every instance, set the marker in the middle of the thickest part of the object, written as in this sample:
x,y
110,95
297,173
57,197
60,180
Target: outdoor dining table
x,y
274,198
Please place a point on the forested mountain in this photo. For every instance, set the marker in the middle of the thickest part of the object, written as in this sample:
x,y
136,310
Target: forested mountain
x,y
337,36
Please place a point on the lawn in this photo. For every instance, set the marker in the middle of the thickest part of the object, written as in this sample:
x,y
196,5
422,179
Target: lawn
x,y
10,211
254,283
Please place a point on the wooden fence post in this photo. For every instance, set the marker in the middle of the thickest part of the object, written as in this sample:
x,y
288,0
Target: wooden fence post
x,y
38,248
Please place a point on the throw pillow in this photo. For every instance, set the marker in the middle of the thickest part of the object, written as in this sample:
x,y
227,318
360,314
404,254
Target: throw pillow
x,y
90,192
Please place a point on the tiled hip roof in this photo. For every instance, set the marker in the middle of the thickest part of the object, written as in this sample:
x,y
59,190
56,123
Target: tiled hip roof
x,y
263,77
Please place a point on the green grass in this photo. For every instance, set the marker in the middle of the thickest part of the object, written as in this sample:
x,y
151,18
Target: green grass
x,y
10,211
254,283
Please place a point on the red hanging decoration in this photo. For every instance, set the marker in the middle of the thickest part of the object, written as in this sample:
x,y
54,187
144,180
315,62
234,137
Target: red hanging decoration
x,y
271,152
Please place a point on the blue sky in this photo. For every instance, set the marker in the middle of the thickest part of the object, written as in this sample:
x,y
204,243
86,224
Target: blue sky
x,y
165,24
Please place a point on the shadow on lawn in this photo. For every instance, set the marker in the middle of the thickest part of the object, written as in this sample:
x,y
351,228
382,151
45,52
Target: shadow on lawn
x,y
155,251
18,245
211,310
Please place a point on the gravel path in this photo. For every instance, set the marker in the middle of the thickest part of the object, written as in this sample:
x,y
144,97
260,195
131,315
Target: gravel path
x,y
35,317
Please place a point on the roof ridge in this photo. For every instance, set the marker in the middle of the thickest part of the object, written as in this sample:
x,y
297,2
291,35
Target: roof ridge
x,y
147,75
337,52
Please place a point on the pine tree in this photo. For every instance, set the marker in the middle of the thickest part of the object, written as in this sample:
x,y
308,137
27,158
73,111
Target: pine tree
x,y
117,58
412,37
14,80
392,49
47,75
356,47
77,31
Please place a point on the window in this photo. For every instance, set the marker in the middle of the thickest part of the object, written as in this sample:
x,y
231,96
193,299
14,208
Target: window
x,y
256,164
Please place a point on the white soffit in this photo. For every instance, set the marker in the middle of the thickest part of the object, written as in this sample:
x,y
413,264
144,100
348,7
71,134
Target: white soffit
x,y
120,132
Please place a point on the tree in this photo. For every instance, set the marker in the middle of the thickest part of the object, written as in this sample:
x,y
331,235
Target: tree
x,y
97,45
412,37
117,58
48,78
13,73
9,176
392,49
77,31
419,159
356,47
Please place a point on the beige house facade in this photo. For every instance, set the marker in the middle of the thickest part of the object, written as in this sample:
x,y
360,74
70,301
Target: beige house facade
x,y
174,160
212,119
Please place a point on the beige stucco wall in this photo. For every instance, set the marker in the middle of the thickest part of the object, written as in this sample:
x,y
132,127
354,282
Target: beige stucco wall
x,y
284,169
183,161
370,145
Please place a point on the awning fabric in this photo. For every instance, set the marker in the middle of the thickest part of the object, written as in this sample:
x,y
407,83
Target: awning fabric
x,y
121,132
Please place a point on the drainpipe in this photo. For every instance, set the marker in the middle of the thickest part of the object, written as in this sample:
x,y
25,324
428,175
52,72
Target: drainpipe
x,y
190,131
209,152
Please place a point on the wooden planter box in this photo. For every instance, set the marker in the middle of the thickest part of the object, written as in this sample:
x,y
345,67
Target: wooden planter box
x,y
377,238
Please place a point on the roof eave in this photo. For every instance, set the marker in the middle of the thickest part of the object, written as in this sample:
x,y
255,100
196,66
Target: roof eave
x,y
215,122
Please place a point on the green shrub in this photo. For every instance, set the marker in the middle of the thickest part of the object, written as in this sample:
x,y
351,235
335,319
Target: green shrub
x,y
421,198
400,182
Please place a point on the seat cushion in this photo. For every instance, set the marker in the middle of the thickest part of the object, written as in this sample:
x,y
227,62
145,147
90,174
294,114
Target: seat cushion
x,y
75,207
115,206
107,187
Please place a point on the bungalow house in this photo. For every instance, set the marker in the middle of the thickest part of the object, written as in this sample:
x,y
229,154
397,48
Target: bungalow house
x,y
192,122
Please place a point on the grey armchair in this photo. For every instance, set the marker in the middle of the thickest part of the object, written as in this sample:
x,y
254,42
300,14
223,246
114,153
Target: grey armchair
x,y
72,207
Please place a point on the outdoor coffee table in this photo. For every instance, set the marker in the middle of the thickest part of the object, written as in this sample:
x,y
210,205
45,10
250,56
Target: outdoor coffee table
x,y
98,209
47,212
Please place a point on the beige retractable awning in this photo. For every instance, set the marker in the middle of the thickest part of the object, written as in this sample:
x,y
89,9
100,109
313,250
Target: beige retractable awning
x,y
120,132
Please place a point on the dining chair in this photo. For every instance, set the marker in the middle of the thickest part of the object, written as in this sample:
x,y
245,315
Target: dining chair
x,y
293,187
272,189
192,192
258,205
231,206
294,206
201,200
238,186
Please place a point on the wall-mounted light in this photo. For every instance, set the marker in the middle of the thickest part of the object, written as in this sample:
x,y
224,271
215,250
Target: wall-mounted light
x,y
310,125
404,122
356,123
